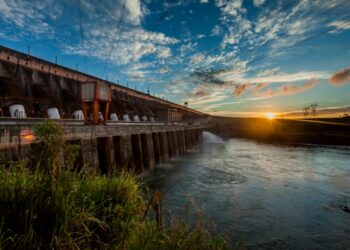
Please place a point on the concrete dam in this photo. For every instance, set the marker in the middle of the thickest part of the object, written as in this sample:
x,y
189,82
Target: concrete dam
x,y
115,126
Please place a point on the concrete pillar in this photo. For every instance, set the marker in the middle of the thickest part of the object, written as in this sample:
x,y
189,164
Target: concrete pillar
x,y
189,138
112,154
156,148
175,143
193,135
183,138
170,144
89,153
186,139
181,145
12,150
148,151
123,151
164,146
137,152
104,145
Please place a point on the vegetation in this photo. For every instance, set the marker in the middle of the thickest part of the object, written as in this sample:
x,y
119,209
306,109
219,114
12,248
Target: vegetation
x,y
44,204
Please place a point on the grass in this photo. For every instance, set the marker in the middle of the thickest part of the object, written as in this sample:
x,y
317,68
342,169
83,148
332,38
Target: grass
x,y
44,204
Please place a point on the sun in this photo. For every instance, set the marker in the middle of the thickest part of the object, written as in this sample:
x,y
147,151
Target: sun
x,y
270,115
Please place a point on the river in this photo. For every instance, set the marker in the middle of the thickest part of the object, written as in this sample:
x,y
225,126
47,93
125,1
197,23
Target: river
x,y
268,196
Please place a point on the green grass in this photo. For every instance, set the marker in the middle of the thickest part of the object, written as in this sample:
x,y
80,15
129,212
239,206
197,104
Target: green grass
x,y
44,204
87,212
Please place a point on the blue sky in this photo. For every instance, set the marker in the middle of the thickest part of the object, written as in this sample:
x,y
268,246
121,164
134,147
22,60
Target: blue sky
x,y
235,58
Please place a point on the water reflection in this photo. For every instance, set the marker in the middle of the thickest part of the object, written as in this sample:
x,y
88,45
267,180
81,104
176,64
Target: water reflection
x,y
269,196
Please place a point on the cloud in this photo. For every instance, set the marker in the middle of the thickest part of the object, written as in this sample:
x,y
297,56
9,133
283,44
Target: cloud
x,y
137,71
230,7
208,77
204,1
241,88
216,31
205,100
163,70
199,91
186,48
126,47
339,25
29,17
214,107
340,77
274,77
135,11
258,3
267,72
288,89
259,86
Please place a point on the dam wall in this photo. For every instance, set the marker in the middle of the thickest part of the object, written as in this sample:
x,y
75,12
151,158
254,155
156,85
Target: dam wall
x,y
106,148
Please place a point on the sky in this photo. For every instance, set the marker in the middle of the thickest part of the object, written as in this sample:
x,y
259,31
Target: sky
x,y
222,57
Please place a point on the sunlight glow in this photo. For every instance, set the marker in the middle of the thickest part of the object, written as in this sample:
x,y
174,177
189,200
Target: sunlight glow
x,y
27,136
270,115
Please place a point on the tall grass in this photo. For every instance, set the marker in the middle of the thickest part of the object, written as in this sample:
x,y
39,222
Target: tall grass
x,y
43,204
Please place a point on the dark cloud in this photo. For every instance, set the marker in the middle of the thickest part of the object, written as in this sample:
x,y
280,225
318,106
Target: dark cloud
x,y
199,91
340,77
208,77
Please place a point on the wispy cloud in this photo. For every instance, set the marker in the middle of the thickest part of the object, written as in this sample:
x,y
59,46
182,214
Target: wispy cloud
x,y
288,89
340,77
274,77
339,25
258,3
30,17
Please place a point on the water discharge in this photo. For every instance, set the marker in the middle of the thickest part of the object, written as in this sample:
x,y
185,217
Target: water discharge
x,y
211,138
270,196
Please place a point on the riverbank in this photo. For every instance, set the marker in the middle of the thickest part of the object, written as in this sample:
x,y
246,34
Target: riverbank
x,y
286,131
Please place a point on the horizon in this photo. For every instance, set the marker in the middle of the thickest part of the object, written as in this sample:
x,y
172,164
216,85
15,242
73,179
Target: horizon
x,y
244,62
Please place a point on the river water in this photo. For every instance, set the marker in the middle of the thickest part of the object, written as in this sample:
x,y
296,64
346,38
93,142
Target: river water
x,y
267,196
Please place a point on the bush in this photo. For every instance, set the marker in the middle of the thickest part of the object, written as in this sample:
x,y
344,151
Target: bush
x,y
82,211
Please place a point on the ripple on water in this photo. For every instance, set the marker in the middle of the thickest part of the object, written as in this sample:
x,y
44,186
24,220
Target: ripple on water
x,y
296,197
218,177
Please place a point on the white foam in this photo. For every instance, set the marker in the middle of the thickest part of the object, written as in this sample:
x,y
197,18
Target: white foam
x,y
211,138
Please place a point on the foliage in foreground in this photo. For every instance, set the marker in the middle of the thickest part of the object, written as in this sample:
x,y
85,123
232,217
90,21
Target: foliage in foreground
x,y
49,206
